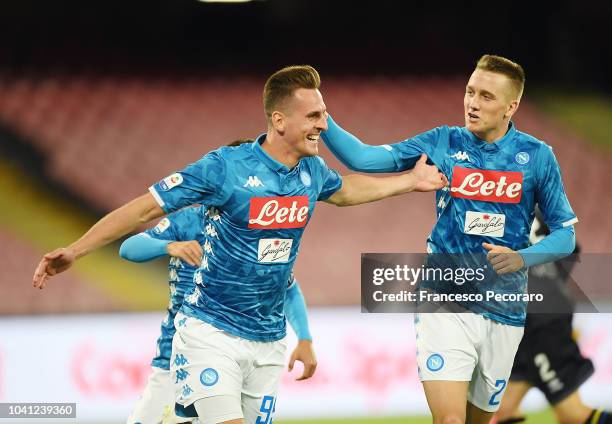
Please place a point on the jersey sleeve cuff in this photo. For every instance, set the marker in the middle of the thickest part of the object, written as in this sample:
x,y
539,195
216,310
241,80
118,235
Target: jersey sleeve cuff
x,y
157,197
569,222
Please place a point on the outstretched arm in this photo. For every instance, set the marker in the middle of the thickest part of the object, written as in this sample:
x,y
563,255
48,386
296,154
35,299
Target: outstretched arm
x,y
114,225
358,189
354,154
295,310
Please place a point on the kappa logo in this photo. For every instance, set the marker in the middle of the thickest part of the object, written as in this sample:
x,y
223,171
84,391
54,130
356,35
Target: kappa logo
x,y
461,156
253,181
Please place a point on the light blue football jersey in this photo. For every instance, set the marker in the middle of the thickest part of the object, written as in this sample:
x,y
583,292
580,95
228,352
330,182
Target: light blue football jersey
x,y
493,190
183,225
257,212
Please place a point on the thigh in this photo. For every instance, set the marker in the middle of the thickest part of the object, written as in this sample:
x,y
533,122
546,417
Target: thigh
x,y
260,388
495,358
446,399
512,398
157,398
204,364
445,346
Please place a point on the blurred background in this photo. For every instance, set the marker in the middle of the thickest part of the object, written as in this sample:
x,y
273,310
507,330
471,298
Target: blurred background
x,y
98,100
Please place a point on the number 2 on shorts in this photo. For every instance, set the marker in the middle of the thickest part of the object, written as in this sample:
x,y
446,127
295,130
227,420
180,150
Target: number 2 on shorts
x,y
494,401
268,405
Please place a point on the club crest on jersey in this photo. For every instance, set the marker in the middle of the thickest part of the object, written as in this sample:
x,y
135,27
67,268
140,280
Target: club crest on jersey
x,y
171,181
484,224
253,181
522,158
269,213
161,226
274,250
305,177
487,186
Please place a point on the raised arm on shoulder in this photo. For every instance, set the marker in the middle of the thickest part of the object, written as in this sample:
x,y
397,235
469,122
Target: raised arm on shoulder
x,y
354,154
358,189
116,224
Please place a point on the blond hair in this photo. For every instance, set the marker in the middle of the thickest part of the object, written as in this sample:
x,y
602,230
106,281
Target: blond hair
x,y
510,69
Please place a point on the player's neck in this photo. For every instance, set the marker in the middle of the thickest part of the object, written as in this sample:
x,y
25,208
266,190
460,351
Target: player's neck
x,y
495,134
278,151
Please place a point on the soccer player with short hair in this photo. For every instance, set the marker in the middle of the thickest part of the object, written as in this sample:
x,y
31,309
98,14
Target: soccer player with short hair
x,y
228,351
498,174
180,235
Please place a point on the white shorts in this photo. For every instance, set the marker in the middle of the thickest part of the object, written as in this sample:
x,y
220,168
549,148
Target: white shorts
x,y
208,362
157,401
467,347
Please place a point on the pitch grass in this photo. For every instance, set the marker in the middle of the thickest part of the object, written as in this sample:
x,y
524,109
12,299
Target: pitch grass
x,y
543,417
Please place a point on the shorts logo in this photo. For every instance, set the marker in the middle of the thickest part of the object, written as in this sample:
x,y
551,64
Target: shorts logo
x,y
278,212
435,362
171,181
209,377
274,250
487,186
305,177
162,226
522,158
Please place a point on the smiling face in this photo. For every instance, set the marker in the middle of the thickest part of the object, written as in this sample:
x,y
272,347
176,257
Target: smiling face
x,y
300,121
489,103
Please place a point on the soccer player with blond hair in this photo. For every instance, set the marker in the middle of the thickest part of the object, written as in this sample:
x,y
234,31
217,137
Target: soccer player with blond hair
x,y
497,176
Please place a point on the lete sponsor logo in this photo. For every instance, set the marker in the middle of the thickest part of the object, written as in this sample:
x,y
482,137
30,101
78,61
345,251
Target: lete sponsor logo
x,y
487,186
278,212
274,250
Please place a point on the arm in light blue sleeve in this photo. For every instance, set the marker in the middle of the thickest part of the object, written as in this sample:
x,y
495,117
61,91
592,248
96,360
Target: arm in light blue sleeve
x,y
356,155
142,248
557,245
295,311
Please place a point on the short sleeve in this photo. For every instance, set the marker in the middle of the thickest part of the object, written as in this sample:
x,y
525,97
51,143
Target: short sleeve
x,y
406,153
166,229
550,193
200,182
331,180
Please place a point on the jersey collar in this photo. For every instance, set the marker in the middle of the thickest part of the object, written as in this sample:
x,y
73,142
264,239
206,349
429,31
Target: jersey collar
x,y
268,160
497,145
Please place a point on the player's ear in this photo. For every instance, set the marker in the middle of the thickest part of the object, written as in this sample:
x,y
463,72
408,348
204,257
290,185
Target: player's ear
x,y
511,109
278,121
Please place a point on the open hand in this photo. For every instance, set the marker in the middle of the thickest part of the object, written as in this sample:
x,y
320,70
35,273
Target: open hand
x,y
52,263
304,353
188,251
